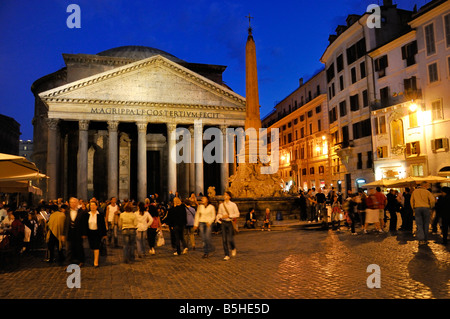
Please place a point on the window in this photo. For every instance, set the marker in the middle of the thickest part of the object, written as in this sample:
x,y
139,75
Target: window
x,y
413,148
319,125
362,69
318,109
330,73
382,152
436,110
369,159
365,98
433,73
380,125
303,171
384,96
397,133
302,118
311,171
335,137
439,144
359,164
341,82
290,138
356,51
408,53
302,132
447,29
410,85
333,115
343,108
310,113
361,129
429,39
345,136
340,63
354,102
413,119
302,153
321,169
353,71
417,170
380,65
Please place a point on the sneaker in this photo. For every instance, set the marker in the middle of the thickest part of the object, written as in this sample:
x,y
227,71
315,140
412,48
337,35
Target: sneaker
x,y
184,251
233,253
175,254
226,258
365,231
354,234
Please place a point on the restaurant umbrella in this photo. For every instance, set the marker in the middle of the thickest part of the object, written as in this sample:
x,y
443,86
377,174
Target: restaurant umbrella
x,y
18,168
380,183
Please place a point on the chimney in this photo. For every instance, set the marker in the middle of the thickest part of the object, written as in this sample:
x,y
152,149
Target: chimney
x,y
387,2
301,81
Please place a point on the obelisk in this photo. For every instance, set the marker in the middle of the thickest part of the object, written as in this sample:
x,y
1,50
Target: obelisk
x,y
248,181
252,119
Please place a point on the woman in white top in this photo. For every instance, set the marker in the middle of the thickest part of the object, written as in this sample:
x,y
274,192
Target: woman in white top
x,y
144,220
94,229
205,216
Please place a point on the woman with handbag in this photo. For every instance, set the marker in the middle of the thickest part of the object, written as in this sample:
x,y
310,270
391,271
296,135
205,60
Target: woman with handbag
x,y
144,220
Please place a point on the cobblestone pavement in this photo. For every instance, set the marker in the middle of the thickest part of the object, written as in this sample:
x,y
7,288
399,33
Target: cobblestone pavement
x,y
286,263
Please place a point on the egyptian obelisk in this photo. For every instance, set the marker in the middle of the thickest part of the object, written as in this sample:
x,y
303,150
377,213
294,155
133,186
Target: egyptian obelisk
x,y
249,181
252,119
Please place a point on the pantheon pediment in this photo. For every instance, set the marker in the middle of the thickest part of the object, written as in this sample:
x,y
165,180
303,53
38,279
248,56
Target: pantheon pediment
x,y
148,87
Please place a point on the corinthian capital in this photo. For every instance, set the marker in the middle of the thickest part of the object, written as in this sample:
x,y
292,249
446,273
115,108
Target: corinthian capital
x,y
52,123
113,125
142,127
83,125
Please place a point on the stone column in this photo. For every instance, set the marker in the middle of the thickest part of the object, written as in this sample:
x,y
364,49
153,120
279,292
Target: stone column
x,y
198,157
224,167
171,161
82,161
142,160
113,159
192,163
52,158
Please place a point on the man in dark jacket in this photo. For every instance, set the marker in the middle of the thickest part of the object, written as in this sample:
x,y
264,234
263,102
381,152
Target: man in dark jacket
x,y
73,229
443,209
177,222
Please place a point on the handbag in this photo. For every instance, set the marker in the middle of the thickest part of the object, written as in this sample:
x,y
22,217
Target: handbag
x,y
160,239
103,249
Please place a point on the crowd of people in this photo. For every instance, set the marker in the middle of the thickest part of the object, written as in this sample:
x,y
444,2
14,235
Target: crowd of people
x,y
65,227
421,206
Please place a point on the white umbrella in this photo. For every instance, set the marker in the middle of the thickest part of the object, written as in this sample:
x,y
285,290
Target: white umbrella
x,y
15,168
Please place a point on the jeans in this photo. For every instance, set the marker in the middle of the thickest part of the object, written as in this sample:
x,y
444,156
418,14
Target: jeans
x,y
422,222
189,236
151,237
228,237
178,232
140,242
129,242
205,232
112,233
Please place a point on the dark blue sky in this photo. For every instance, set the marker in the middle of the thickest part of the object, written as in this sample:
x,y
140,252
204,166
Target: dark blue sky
x,y
290,37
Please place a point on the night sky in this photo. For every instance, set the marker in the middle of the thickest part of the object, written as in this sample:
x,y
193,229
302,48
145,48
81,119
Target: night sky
x,y
290,37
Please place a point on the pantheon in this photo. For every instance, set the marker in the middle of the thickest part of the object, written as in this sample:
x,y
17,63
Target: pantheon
x,y
102,124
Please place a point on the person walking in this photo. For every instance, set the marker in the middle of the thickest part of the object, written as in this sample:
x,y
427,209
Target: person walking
x,y
128,225
321,208
336,211
422,201
94,230
73,229
407,213
372,212
266,221
154,227
204,217
55,235
112,218
442,206
381,200
144,220
226,213
177,222
189,232
392,207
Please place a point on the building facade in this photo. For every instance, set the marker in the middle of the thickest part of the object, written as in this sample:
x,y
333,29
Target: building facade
x,y
105,124
351,92
302,121
411,119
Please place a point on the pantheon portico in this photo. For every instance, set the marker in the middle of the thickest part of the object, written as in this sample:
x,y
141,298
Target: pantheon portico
x,y
103,124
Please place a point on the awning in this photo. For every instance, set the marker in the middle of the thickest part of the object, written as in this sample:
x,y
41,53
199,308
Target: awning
x,y
19,187
18,168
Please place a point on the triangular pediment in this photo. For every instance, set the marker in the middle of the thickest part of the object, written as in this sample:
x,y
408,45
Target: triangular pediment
x,y
155,80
